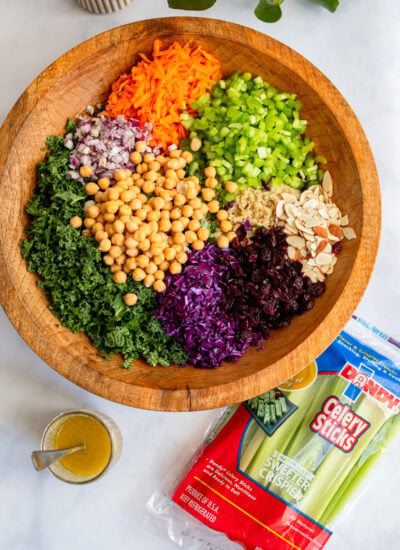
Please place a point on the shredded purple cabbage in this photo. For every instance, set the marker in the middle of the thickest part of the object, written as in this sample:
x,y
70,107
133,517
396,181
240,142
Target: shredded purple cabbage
x,y
104,144
190,310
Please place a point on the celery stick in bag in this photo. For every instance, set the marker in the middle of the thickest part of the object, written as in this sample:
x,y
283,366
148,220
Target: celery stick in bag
x,y
287,462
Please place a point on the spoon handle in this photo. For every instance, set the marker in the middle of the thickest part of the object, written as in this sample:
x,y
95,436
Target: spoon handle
x,y
43,459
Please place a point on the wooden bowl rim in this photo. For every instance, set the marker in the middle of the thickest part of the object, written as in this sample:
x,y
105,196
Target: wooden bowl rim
x,y
229,392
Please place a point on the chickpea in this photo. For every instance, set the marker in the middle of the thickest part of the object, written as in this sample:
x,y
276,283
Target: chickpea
x,y
231,235
164,225
159,286
112,207
149,280
203,233
195,144
130,263
148,157
198,245
222,215
99,197
115,251
198,214
103,183
156,238
231,186
195,203
119,277
127,195
85,171
153,216
108,217
136,157
211,183
164,266
158,203
164,215
194,225
180,173
170,183
184,221
131,226
179,200
91,188
93,211
142,260
187,211
108,260
141,214
223,241
144,245
173,164
155,165
118,226
159,259
115,268
159,275
125,212
130,299
153,227
213,206
210,172
191,192
182,257
132,252
190,236
225,226
151,268
131,242
208,194
175,214
148,187
142,197
138,274
187,155
175,268
156,249
169,253
120,174
117,239
99,235
89,223
100,219
177,226
76,222
121,259
135,204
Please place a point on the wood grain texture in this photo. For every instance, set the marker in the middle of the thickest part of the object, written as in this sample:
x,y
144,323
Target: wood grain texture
x,y
85,74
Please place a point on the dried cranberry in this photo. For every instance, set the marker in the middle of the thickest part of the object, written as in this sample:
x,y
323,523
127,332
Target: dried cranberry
x,y
317,289
337,247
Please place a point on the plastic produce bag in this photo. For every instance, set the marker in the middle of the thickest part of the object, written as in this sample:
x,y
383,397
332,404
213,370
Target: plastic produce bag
x,y
277,471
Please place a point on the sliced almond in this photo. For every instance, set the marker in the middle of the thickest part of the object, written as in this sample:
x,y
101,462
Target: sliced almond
x,y
312,221
327,184
344,220
349,233
290,210
293,253
301,227
323,258
288,197
335,230
321,232
322,245
279,209
323,212
327,269
318,273
297,242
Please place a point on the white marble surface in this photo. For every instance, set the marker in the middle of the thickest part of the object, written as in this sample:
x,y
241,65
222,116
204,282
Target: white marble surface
x,y
357,48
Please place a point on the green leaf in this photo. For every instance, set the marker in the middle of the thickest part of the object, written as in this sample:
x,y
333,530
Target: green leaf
x,y
268,12
191,4
330,5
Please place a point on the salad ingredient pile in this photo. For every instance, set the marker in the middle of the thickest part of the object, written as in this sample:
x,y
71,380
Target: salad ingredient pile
x,y
187,218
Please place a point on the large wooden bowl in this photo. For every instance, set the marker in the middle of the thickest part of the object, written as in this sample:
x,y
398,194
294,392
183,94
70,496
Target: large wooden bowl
x,y
84,75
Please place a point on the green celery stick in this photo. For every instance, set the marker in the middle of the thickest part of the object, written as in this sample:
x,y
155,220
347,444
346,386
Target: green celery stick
x,y
272,413
359,471
337,465
261,408
282,401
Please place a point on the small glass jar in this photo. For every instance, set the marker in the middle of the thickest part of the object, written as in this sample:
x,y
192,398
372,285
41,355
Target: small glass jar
x,y
108,428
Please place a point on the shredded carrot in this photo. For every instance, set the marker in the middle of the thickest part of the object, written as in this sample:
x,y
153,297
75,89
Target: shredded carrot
x,y
158,89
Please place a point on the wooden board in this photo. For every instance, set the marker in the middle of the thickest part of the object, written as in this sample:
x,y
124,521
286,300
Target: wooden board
x,y
84,74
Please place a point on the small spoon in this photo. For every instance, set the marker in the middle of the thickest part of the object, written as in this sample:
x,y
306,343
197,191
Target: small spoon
x,y
43,459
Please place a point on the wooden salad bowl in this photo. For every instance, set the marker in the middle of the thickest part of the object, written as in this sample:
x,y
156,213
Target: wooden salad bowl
x,y
83,76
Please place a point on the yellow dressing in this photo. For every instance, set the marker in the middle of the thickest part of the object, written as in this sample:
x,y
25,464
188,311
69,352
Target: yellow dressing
x,y
84,429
